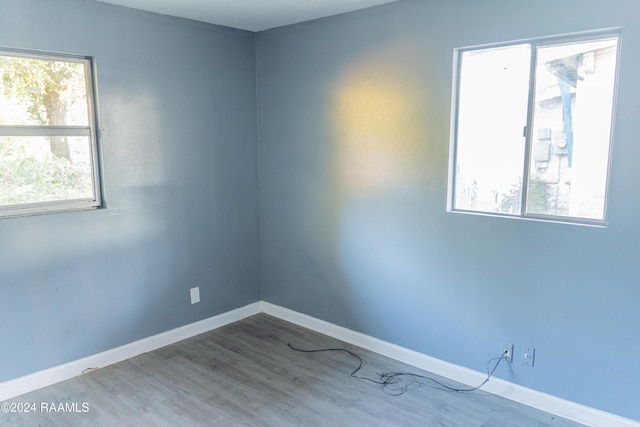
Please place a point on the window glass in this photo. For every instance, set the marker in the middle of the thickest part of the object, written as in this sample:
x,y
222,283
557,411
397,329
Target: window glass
x,y
43,92
492,113
547,133
48,147
31,173
572,127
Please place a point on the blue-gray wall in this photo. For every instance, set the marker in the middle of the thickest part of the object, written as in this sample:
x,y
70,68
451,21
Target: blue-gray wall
x,y
354,136
354,130
178,118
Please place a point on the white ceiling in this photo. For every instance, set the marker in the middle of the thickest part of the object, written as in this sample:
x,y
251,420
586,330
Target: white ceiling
x,y
252,15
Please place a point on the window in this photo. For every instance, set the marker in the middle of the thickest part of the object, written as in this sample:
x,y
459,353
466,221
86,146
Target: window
x,y
48,147
531,128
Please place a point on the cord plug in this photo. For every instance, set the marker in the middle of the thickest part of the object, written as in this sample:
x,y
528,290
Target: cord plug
x,y
507,352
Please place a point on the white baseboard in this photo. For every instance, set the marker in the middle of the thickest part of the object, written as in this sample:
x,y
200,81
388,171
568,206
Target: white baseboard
x,y
548,403
545,402
40,379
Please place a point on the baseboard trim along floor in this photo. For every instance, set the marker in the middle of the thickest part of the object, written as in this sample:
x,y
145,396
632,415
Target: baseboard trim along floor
x,y
56,374
545,402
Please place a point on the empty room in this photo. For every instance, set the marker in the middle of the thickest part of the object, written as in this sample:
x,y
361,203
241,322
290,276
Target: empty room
x,y
344,212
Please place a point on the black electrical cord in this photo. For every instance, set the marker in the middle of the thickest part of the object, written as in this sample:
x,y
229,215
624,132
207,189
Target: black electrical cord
x,y
398,383
353,374
392,377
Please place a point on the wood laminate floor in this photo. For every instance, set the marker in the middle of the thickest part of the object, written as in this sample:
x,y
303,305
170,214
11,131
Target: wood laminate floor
x,y
243,374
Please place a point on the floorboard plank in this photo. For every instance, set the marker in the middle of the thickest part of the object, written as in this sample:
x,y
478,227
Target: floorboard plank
x,y
244,374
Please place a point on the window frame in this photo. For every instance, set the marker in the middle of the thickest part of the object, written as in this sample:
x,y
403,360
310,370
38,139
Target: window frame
x,y
528,131
90,131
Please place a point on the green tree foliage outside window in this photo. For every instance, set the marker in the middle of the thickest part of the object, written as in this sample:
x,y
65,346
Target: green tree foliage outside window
x,y
46,136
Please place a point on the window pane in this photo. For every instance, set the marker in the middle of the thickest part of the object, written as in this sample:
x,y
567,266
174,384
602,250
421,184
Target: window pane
x,y
42,92
31,173
492,113
572,129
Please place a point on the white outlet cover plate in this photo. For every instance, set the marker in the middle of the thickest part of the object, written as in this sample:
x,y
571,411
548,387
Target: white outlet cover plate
x,y
529,356
195,295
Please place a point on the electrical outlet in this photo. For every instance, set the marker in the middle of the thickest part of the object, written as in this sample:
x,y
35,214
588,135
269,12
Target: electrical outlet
x,y
195,295
507,352
529,356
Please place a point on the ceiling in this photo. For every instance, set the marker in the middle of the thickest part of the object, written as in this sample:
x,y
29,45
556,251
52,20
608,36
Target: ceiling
x,y
252,15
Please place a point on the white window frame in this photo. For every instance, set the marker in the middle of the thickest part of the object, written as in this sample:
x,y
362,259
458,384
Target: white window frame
x,y
529,131
91,131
